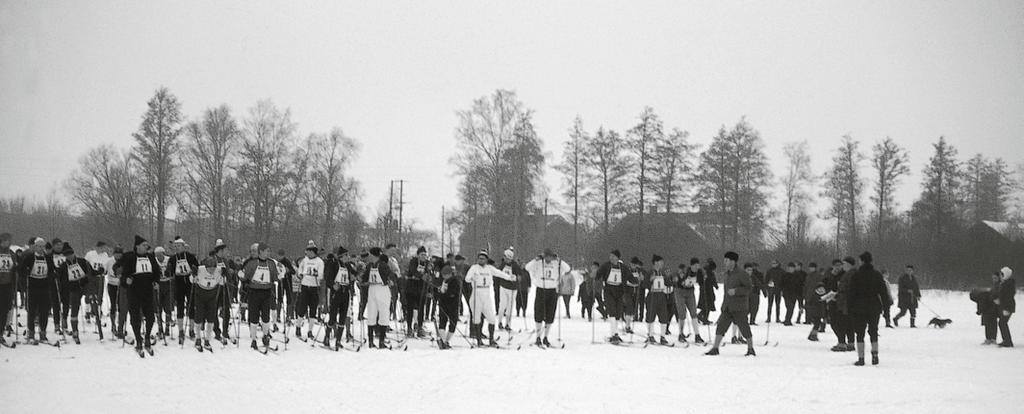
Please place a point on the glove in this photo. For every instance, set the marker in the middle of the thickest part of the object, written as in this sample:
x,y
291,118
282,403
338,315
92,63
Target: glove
x,y
128,281
731,292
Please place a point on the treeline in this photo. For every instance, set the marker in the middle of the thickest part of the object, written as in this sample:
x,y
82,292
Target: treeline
x,y
728,189
238,178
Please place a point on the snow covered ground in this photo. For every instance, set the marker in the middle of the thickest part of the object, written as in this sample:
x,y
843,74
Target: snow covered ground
x,y
923,370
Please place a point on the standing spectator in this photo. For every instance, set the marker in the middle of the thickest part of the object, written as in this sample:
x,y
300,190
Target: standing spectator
x,y
987,308
909,294
867,296
1007,305
773,280
708,286
756,290
814,287
790,292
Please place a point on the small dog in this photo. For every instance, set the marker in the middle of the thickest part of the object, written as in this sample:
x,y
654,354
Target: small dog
x,y
939,323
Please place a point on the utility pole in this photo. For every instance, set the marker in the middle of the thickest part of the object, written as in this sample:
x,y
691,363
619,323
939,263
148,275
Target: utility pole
x,y
391,208
442,232
401,204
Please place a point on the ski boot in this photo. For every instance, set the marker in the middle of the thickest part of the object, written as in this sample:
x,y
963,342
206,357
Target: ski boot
x,y
629,330
859,363
682,338
206,346
663,341
650,340
74,336
199,345
298,332
266,341
615,339
698,340
191,333
839,348
546,343
734,341
538,343
492,343
913,323
750,352
712,352
874,358
813,337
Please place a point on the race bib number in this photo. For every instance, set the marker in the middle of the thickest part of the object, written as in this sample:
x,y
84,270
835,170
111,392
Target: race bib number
x,y
482,281
143,265
221,266
262,275
771,284
375,278
96,266
6,263
615,277
658,284
181,267
508,270
549,274
343,277
75,272
311,271
420,269
688,282
39,268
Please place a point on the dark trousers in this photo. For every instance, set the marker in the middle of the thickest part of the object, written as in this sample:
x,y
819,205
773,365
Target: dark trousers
x,y
6,303
887,315
774,298
1004,328
587,310
182,290
790,307
842,327
755,305
903,312
599,297
362,302
72,305
140,307
165,306
565,299
991,324
727,317
38,305
522,298
640,302
55,305
446,316
867,323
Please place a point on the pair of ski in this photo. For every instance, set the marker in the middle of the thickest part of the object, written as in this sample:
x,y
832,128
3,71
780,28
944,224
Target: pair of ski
x,y
265,349
338,347
142,352
666,344
561,345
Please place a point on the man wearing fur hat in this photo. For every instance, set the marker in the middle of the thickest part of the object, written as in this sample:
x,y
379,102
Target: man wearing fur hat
x,y
735,306
139,270
507,289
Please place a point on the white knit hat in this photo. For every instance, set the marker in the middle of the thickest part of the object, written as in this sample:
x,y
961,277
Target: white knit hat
x,y
510,253
1006,271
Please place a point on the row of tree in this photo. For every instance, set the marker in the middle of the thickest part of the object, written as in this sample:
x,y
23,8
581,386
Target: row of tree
x,y
244,179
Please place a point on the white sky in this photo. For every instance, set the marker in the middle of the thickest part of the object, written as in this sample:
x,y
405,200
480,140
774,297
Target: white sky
x,y
392,74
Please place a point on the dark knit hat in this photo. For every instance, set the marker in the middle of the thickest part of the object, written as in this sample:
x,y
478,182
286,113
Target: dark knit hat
x,y
850,260
342,250
656,258
732,256
421,249
67,249
635,260
459,257
138,240
549,253
694,261
375,251
617,253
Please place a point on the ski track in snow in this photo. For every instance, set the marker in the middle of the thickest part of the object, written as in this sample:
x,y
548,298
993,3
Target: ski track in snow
x,y
923,370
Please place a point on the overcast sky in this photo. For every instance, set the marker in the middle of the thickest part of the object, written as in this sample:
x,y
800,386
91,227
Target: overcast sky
x,y
74,75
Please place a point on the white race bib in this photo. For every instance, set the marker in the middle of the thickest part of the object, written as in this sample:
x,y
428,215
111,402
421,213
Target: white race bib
x,y
508,270
75,272
311,271
342,277
615,277
96,266
181,267
39,268
375,277
481,281
261,275
420,269
658,284
143,265
6,263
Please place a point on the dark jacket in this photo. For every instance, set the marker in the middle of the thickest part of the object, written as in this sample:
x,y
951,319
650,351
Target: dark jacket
x,y
757,284
867,292
141,279
738,281
627,274
773,279
83,278
708,284
910,292
517,270
987,308
814,280
1007,289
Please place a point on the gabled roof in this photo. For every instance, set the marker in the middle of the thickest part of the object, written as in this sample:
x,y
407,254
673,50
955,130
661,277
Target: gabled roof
x,y
1011,231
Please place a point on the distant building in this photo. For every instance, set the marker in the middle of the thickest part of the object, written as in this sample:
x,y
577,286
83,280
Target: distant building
x,y
674,236
538,232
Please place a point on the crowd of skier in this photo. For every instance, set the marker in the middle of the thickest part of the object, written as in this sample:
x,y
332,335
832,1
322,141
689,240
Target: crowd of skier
x,y
320,297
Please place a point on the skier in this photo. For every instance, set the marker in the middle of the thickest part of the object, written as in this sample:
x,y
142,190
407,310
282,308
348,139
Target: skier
x,y
311,270
448,287
75,273
481,278
139,276
8,277
164,303
59,301
909,294
868,295
1007,305
657,300
615,275
207,286
522,293
261,274
38,268
686,300
773,280
118,301
341,293
285,298
508,289
636,299
185,267
735,305
419,270
228,268
98,258
546,272
790,291
813,289
378,278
